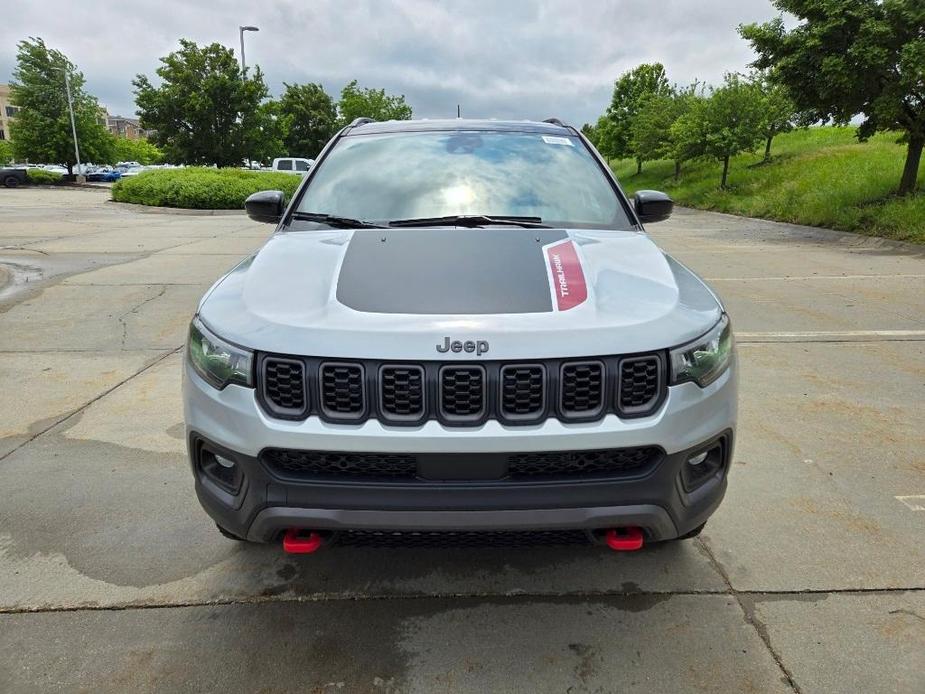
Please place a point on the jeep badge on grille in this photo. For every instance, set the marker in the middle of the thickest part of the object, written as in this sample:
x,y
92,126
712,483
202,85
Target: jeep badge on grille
x,y
470,346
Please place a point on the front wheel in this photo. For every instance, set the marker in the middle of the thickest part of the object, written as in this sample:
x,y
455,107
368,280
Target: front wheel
x,y
11,181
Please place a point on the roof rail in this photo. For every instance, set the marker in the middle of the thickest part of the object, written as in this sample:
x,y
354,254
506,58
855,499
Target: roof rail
x,y
362,120
555,121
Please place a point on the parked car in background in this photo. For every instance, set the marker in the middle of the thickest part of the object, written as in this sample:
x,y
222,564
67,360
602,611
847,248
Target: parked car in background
x,y
293,165
127,169
106,174
12,177
55,168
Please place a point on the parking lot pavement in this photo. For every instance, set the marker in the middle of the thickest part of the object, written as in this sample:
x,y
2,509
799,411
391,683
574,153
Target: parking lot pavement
x,y
809,578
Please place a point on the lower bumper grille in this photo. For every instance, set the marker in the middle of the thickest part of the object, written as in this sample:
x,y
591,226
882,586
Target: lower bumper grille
x,y
474,539
312,464
302,465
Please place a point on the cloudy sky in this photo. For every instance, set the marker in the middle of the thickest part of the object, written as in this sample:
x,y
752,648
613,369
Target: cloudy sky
x,y
497,58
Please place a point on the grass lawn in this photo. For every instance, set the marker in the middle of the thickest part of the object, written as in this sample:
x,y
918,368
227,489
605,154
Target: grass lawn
x,y
819,176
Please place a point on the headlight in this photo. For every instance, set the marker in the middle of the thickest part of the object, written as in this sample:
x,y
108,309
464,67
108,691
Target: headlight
x,y
703,360
217,361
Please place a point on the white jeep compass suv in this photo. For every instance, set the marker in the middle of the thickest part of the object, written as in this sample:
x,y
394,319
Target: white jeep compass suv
x,y
459,327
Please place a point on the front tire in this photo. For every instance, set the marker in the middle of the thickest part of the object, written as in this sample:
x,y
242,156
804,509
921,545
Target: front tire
x,y
10,182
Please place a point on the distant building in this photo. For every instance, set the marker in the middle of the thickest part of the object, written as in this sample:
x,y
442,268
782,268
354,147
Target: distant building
x,y
120,126
7,112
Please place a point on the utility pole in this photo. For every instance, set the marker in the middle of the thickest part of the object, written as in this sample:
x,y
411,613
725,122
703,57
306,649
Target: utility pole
x,y
70,107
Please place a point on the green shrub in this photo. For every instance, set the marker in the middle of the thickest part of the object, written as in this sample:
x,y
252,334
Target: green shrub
x,y
41,177
200,188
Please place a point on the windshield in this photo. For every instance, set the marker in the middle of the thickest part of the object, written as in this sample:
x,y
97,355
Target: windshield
x,y
410,175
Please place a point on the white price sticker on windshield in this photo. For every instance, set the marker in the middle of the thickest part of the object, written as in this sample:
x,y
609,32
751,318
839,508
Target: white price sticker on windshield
x,y
556,140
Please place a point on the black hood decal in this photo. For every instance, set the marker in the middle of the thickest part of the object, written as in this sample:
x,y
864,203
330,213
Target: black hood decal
x,y
448,271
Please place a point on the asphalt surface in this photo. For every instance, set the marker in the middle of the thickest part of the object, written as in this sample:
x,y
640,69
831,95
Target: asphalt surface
x,y
810,578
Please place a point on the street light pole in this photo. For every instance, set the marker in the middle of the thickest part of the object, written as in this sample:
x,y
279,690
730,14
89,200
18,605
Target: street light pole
x,y
241,31
70,107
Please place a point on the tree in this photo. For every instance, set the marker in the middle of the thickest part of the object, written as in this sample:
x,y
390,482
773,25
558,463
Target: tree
x,y
851,57
139,150
42,129
205,111
629,91
370,103
310,119
780,113
651,135
590,132
733,120
606,140
689,133
6,152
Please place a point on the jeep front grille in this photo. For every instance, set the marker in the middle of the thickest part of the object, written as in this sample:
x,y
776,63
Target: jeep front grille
x,y
461,394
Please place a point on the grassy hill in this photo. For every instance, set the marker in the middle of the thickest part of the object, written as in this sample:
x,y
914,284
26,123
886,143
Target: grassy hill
x,y
818,176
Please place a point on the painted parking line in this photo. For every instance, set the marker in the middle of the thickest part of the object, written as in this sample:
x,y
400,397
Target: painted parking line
x,y
915,502
831,336
800,278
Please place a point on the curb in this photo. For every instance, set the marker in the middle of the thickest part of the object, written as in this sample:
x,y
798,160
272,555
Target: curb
x,y
853,239
150,209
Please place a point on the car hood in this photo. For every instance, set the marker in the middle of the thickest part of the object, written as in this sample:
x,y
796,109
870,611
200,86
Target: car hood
x,y
402,293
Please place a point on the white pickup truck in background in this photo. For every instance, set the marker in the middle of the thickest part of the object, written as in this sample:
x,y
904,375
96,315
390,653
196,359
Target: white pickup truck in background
x,y
294,165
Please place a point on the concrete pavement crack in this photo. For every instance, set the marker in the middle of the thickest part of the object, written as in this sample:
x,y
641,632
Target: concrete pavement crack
x,y
135,309
749,595
748,610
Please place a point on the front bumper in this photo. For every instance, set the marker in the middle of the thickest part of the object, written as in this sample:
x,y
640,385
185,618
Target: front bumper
x,y
231,423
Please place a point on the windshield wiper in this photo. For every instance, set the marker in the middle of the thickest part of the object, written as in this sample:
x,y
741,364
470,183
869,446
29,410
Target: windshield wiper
x,y
333,220
471,220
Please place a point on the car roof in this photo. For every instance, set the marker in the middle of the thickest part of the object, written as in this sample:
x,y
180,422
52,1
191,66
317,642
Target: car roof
x,y
398,126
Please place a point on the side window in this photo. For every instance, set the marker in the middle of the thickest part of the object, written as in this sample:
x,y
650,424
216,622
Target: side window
x,y
301,165
284,165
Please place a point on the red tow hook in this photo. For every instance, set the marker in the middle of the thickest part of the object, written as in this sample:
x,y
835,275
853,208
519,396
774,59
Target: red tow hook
x,y
624,539
296,542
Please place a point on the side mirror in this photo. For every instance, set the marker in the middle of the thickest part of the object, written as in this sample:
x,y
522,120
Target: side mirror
x,y
652,206
266,206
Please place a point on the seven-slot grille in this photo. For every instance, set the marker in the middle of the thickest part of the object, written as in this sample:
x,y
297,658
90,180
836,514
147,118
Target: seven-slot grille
x,y
573,390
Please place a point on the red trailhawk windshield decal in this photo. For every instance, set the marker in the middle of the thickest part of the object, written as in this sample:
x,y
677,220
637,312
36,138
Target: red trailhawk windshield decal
x,y
566,278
